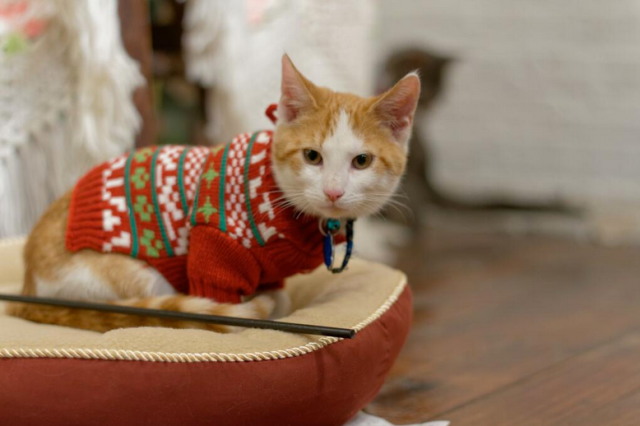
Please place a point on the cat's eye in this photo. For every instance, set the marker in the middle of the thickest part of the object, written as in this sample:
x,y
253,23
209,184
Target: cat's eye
x,y
312,157
362,161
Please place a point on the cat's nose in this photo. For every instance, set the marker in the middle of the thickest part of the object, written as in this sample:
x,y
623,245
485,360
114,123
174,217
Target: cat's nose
x,y
333,194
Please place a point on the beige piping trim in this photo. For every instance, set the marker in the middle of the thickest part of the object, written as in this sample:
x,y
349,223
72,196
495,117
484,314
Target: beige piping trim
x,y
127,355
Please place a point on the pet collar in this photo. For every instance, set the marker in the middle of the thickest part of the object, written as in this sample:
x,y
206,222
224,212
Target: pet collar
x,y
329,228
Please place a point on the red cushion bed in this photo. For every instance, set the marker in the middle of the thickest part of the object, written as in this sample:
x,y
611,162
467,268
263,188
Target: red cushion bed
x,y
157,376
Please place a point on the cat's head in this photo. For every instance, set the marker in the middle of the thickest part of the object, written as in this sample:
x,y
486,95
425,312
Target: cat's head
x,y
337,154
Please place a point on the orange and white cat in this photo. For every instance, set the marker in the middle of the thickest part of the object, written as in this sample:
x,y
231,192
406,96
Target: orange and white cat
x,y
333,155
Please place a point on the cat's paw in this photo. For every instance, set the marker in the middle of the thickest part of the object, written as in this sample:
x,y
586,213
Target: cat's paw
x,y
260,307
282,301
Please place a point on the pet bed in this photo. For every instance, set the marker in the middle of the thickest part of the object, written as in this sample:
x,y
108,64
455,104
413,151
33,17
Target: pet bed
x,y
58,375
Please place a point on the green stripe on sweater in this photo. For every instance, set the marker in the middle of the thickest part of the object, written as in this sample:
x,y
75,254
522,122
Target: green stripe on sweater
x,y
183,195
223,174
254,229
194,209
156,205
132,214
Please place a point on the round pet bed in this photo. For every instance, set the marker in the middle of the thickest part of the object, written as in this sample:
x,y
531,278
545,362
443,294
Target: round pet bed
x,y
157,376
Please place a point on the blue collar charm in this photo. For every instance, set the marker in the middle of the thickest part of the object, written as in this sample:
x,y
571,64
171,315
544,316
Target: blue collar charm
x,y
329,228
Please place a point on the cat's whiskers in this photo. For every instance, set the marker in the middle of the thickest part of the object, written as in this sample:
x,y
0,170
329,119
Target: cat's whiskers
x,y
372,203
400,212
295,199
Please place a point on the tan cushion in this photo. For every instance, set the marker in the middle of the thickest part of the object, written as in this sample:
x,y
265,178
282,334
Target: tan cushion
x,y
351,299
11,263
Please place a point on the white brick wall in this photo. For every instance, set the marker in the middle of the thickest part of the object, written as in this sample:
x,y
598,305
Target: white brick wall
x,y
544,101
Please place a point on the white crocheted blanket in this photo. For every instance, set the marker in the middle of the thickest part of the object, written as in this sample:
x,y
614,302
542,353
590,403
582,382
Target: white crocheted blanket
x,y
65,100
363,419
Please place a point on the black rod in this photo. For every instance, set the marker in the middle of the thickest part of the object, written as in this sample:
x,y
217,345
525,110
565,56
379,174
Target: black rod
x,y
345,333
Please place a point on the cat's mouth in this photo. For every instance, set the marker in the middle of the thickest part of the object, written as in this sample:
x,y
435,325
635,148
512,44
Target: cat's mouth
x,y
333,210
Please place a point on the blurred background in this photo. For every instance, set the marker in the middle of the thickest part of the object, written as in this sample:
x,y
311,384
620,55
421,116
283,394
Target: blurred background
x,y
525,161
528,117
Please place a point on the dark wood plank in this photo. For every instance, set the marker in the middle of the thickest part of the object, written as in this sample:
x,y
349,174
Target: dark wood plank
x,y
136,35
624,411
594,385
491,310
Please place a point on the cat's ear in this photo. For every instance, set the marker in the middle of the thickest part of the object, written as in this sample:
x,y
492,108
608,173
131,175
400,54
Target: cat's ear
x,y
396,107
297,93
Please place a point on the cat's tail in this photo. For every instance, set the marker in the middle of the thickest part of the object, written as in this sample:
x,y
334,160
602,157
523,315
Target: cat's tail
x,y
259,307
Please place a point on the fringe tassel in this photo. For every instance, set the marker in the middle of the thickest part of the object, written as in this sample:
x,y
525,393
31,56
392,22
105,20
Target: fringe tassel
x,y
203,40
100,121
31,177
104,119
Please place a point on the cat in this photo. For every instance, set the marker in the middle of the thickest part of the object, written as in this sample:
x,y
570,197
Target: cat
x,y
202,230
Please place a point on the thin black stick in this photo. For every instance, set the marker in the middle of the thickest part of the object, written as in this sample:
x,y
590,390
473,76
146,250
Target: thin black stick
x,y
345,333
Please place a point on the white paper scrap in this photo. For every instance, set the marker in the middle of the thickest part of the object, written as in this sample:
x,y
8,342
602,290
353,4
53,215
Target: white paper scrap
x,y
364,419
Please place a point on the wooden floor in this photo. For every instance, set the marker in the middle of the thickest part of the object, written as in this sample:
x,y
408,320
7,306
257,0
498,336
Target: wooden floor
x,y
518,331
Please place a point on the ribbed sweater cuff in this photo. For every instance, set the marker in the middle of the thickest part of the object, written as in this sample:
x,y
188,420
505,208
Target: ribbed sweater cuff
x,y
219,267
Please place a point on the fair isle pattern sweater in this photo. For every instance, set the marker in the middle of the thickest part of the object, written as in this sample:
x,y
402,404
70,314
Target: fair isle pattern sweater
x,y
206,218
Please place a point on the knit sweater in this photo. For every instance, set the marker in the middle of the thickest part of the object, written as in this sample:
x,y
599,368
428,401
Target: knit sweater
x,y
206,218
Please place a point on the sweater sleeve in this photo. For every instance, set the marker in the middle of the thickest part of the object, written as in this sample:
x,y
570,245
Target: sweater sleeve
x,y
219,267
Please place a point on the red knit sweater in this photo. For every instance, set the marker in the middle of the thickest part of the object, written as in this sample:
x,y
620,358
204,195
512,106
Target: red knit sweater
x,y
206,218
